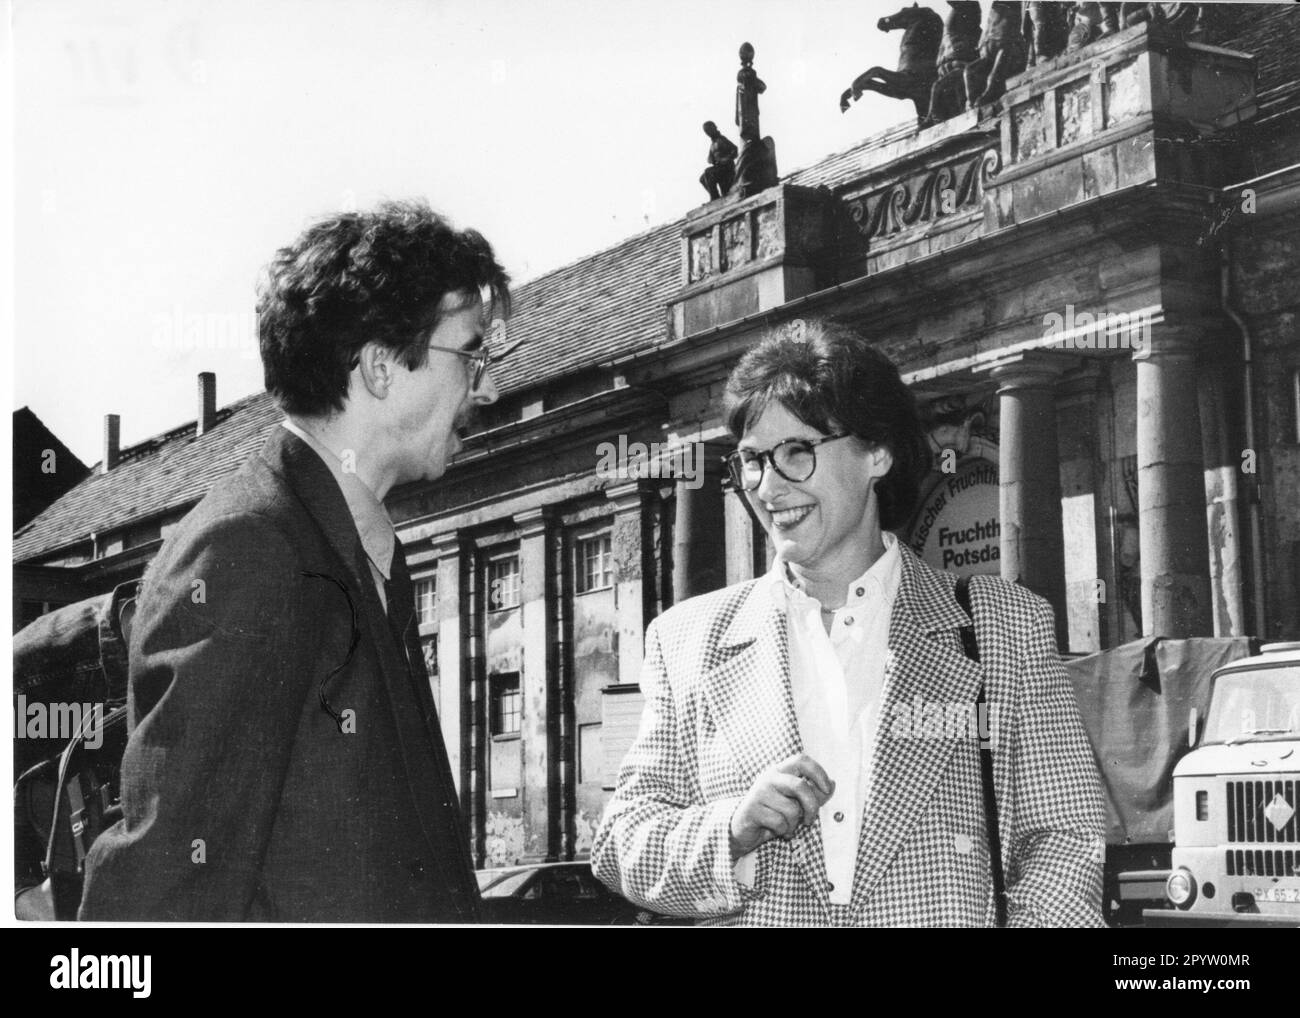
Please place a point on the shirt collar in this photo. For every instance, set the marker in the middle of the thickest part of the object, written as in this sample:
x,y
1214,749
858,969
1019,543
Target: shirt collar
x,y
879,583
368,513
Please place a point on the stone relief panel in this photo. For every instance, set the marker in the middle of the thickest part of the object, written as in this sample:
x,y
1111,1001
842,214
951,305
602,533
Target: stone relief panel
x,y
769,232
1123,93
1074,110
735,243
926,197
1028,129
701,256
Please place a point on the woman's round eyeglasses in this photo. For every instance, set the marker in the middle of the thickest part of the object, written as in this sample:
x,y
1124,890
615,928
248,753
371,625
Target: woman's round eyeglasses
x,y
795,459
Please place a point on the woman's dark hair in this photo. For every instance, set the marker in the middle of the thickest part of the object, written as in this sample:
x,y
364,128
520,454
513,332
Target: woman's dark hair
x,y
357,277
825,374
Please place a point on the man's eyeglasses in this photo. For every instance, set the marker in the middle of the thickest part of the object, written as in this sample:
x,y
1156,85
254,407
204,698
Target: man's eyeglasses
x,y
480,358
795,459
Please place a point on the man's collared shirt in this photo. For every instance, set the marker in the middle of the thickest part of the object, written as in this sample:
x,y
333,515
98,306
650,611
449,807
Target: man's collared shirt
x,y
836,681
375,529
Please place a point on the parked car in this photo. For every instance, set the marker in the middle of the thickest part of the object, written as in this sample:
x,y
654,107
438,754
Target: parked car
x,y
559,894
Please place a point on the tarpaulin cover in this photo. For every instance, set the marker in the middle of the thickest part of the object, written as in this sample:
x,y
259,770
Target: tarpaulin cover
x,y
75,654
1135,701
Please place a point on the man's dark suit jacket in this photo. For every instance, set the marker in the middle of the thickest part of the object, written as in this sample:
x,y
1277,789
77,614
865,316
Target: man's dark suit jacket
x,y
242,799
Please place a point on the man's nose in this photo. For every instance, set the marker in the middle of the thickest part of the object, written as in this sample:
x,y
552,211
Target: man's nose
x,y
486,392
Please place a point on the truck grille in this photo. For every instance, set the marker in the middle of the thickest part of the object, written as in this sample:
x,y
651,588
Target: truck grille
x,y
1260,863
1247,801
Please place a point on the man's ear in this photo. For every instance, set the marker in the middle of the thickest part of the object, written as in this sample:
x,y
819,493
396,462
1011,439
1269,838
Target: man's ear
x,y
375,368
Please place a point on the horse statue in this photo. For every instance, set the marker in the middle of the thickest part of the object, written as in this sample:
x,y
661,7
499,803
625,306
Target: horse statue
x,y
959,47
1002,53
1046,30
922,30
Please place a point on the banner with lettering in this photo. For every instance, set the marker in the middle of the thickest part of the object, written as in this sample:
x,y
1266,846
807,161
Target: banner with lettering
x,y
957,527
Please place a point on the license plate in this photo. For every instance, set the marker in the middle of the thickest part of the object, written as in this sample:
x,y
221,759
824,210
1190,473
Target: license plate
x,y
1278,892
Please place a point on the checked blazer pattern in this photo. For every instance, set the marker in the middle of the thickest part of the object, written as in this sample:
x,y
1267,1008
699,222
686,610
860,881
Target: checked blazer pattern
x,y
719,711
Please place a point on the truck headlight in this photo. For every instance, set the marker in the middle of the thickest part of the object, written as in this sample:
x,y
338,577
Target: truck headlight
x,y
1180,888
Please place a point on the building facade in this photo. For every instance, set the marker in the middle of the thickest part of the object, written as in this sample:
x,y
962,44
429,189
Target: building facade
x,y
1091,286
45,470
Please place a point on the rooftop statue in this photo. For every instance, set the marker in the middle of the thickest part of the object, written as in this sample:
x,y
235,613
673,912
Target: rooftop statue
x,y
922,31
959,47
720,174
756,168
1003,52
749,86
1046,30
1089,22
1111,19
1180,18
1092,21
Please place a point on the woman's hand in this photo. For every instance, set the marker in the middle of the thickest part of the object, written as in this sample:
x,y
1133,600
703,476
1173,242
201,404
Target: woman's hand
x,y
783,798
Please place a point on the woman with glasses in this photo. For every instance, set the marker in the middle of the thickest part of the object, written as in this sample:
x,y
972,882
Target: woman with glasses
x,y
810,750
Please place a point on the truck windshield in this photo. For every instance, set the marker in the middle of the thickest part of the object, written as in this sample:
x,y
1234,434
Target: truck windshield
x,y
1262,704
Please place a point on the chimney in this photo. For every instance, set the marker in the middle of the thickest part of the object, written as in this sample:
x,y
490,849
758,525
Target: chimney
x,y
207,401
112,442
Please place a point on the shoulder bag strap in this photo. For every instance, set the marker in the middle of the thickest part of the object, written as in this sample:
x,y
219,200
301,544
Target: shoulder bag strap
x,y
970,644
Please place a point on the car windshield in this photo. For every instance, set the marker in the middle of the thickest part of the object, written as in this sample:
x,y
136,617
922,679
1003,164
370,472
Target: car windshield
x,y
507,885
1260,704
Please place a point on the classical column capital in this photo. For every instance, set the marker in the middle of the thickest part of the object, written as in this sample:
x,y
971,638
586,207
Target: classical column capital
x,y
1030,369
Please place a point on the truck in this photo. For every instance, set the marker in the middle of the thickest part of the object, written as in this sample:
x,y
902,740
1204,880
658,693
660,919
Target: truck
x,y
1236,795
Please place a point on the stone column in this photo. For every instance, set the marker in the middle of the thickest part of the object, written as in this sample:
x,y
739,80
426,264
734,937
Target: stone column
x,y
1029,475
1171,488
539,728
633,586
699,527
453,673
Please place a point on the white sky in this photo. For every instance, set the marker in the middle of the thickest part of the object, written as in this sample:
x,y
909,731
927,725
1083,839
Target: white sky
x,y
163,150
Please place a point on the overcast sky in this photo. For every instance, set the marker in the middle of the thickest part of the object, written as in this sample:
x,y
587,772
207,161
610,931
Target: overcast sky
x,y
164,148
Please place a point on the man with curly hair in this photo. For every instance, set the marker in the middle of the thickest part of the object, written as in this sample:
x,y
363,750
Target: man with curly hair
x,y
285,761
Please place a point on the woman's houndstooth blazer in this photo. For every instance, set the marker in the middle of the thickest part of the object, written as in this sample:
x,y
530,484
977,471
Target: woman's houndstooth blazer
x,y
719,711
